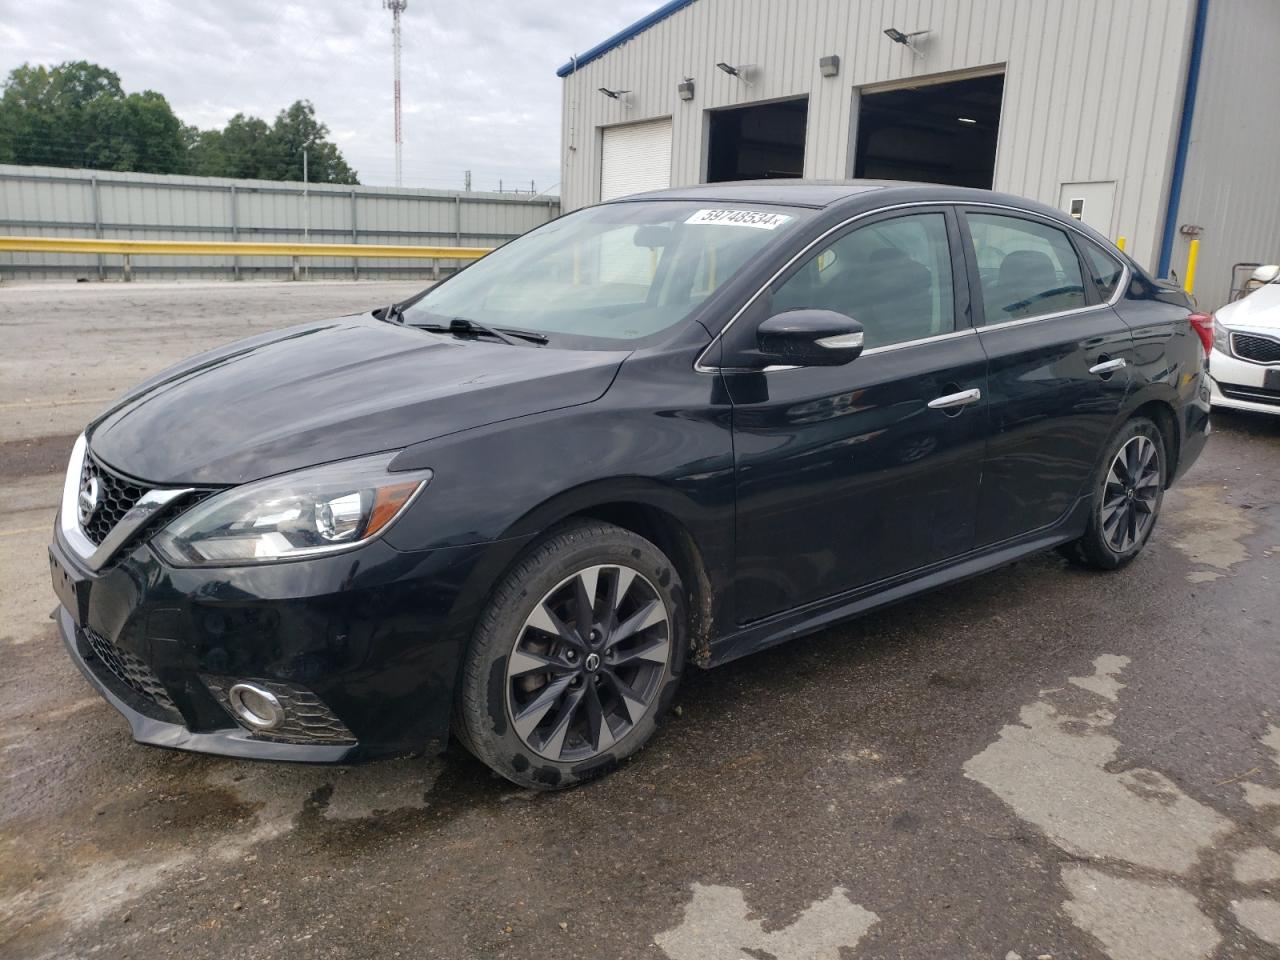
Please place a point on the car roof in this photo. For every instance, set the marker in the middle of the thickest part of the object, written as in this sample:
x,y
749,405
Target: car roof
x,y
829,193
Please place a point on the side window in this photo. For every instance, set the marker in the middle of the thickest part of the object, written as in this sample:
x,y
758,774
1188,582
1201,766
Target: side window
x,y
1027,268
893,277
1104,270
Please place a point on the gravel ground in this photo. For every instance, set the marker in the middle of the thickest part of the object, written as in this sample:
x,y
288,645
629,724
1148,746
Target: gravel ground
x,y
1040,762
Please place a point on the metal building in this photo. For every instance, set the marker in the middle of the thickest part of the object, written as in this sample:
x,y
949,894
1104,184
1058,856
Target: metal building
x,y
1151,120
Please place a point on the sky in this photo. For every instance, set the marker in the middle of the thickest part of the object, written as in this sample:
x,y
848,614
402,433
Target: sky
x,y
479,86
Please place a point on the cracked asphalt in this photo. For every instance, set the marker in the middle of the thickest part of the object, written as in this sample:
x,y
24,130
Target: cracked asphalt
x,y
1043,762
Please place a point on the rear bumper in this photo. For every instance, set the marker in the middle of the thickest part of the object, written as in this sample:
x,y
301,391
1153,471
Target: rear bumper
x,y
1194,425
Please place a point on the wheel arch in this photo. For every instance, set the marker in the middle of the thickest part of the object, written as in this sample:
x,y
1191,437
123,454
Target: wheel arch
x,y
1161,413
647,508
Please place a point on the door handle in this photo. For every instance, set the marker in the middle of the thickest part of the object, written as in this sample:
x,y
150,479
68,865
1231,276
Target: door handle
x,y
1108,366
953,400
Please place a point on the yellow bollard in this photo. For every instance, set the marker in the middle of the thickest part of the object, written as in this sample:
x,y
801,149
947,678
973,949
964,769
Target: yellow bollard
x,y
1193,255
1120,242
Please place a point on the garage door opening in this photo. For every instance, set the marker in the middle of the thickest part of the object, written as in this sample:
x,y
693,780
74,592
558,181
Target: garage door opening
x,y
938,133
762,141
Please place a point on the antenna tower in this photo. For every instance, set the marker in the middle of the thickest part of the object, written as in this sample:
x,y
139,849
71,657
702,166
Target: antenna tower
x,y
396,7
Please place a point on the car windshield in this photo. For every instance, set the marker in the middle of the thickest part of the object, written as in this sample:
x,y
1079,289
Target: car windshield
x,y
621,273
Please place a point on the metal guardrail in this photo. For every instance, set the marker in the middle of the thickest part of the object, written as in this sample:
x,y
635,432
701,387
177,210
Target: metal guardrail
x,y
196,248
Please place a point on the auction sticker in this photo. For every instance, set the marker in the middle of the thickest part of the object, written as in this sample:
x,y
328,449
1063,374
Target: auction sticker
x,y
740,218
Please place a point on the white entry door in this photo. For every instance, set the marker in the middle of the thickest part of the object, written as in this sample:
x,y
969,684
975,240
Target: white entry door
x,y
1092,202
635,157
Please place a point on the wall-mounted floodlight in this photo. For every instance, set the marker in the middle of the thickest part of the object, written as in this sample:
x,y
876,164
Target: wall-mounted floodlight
x,y
830,66
622,96
742,72
906,39
685,89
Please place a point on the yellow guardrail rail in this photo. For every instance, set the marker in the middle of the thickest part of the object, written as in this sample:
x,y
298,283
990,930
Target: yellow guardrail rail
x,y
200,248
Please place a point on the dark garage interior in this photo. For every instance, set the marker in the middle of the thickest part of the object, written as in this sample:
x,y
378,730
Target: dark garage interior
x,y
764,140
938,133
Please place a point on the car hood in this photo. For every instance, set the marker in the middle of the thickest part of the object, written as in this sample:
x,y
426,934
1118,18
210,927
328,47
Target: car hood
x,y
328,391
1259,310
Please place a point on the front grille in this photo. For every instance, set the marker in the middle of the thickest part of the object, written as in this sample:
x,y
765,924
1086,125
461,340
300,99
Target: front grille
x,y
1251,394
129,670
307,718
116,497
1252,346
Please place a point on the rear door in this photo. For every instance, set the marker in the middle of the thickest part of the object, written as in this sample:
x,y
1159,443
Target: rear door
x,y
854,474
1059,364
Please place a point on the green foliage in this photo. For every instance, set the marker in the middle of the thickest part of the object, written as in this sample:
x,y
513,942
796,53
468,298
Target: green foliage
x,y
77,115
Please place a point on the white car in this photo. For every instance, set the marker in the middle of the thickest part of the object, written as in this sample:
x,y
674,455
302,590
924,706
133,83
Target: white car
x,y
1244,366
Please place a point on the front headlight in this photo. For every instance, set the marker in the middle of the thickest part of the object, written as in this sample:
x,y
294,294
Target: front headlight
x,y
1221,337
314,511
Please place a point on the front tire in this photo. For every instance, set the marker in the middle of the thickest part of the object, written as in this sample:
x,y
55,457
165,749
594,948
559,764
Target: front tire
x,y
575,659
1127,495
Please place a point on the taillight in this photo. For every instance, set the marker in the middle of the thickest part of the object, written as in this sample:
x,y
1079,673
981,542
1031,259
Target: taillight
x,y
1202,324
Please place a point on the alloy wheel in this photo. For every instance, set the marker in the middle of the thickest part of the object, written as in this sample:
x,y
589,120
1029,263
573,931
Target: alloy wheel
x,y
1130,494
588,663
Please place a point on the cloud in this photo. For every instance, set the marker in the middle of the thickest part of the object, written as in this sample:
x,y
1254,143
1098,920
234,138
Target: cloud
x,y
479,85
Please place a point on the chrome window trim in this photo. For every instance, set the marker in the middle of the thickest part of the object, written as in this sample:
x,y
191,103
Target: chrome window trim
x,y
1125,278
886,348
95,556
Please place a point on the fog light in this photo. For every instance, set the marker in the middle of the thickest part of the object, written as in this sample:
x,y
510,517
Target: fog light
x,y
256,707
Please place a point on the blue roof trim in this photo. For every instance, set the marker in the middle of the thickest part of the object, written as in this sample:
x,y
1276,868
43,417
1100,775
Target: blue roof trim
x,y
618,39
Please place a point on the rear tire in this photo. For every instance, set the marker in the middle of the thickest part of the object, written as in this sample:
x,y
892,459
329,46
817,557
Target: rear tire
x,y
1128,491
575,659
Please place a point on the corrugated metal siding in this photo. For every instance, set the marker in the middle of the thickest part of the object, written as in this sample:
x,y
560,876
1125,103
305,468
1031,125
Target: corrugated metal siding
x,y
1092,87
55,202
1229,187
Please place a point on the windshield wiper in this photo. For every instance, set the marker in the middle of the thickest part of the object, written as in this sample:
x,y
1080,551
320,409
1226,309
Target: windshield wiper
x,y
461,326
391,313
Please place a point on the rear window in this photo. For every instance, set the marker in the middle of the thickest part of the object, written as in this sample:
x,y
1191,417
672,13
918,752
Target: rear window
x,y
1028,268
1104,270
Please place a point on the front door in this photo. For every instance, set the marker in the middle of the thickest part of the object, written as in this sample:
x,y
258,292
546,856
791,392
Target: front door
x,y
854,474
1058,370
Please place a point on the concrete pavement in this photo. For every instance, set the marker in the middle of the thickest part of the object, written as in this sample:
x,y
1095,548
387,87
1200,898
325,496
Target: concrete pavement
x,y
1040,762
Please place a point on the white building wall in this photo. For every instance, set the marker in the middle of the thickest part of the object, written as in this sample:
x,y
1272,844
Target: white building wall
x,y
1229,188
1092,88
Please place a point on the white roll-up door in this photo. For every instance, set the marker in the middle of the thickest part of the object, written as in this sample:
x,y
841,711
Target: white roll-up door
x,y
635,157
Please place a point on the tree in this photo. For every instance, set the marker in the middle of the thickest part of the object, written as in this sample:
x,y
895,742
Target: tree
x,y
242,148
296,131
77,115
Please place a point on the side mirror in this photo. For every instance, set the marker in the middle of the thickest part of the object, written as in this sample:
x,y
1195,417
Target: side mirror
x,y
1266,273
809,338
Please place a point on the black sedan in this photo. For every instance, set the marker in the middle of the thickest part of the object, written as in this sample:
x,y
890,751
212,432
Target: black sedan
x,y
671,429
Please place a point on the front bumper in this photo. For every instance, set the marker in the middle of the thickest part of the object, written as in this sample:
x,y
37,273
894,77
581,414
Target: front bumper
x,y
371,637
230,742
1240,385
